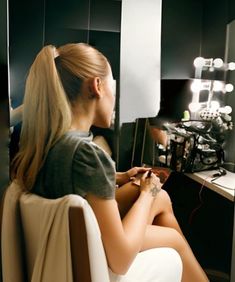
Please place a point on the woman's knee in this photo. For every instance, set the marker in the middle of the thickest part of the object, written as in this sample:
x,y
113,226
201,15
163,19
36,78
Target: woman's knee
x,y
177,241
163,200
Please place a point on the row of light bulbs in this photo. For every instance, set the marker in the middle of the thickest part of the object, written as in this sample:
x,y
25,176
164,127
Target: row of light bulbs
x,y
199,84
216,86
214,106
218,63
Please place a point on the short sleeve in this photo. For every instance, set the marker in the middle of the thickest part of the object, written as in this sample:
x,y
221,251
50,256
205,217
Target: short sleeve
x,y
93,171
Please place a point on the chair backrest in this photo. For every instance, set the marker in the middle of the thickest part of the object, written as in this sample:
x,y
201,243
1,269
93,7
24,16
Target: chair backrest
x,y
62,239
44,238
12,243
78,240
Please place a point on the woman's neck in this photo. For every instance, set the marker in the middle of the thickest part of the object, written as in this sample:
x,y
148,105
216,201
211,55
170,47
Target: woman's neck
x,y
81,123
82,116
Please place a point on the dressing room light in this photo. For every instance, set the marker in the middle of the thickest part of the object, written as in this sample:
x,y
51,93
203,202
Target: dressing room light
x,y
229,87
215,105
231,66
199,62
194,107
218,63
227,110
199,85
196,86
218,86
210,85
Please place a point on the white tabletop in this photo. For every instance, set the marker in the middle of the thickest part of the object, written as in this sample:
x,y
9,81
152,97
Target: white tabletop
x,y
224,185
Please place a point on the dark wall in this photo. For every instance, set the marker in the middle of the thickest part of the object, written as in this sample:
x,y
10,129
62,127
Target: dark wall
x,y
26,20
66,23
215,19
181,37
231,10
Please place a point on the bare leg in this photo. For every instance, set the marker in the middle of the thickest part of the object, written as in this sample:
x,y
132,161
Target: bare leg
x,y
158,236
165,231
161,213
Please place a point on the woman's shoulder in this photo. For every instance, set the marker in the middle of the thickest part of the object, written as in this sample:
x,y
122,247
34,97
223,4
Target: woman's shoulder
x,y
70,141
79,146
74,137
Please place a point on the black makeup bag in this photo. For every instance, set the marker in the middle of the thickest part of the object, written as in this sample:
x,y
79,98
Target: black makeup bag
x,y
192,148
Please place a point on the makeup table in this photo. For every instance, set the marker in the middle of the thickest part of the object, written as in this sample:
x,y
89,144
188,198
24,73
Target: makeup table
x,y
224,186
205,212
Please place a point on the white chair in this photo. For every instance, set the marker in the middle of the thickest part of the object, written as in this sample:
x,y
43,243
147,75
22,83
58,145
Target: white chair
x,y
62,242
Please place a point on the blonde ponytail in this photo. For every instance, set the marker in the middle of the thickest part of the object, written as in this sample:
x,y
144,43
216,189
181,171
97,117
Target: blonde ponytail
x,y
46,117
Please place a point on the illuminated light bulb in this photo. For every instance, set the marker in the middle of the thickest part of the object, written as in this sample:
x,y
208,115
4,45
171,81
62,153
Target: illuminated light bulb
x,y
218,63
227,110
194,107
199,62
218,86
196,86
229,87
231,66
215,105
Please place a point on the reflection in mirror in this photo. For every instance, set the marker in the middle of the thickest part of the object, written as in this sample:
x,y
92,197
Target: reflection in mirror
x,y
230,98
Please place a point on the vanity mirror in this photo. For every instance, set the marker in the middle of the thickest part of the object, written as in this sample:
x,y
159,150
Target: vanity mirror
x,y
230,99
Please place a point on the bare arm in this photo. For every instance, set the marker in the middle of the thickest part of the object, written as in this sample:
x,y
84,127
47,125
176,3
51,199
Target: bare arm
x,y
123,239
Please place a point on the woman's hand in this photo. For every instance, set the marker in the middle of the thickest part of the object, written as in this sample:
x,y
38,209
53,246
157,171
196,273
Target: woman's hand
x,y
150,183
124,177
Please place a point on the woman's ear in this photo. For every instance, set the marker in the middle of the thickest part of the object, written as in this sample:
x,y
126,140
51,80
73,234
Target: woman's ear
x,y
95,87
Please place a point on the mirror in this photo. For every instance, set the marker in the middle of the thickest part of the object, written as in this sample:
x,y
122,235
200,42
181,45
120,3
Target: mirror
x,y
230,99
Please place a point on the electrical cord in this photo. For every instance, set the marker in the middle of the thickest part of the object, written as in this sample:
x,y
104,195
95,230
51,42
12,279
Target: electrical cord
x,y
200,201
221,172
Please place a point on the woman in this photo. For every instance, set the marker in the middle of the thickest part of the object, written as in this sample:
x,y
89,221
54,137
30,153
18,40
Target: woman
x,y
68,90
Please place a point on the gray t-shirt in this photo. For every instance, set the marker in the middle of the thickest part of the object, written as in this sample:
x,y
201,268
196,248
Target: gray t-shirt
x,y
76,165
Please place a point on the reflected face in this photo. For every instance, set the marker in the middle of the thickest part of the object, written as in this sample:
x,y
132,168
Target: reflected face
x,y
106,103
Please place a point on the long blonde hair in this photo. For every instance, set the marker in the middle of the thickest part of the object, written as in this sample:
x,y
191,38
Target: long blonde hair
x,y
53,83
